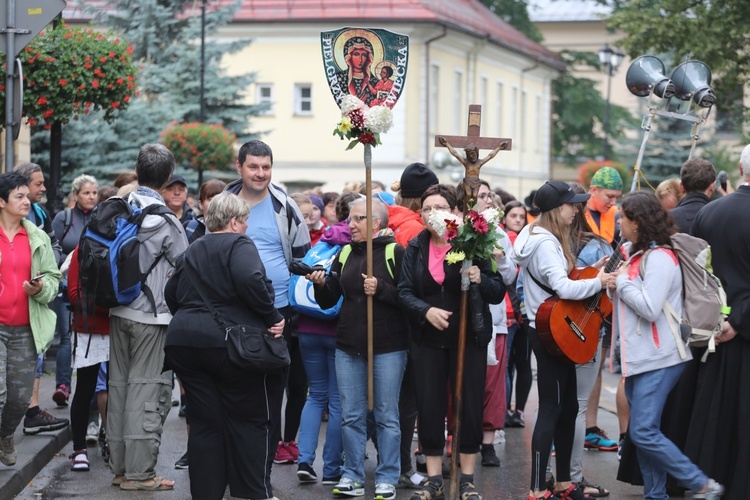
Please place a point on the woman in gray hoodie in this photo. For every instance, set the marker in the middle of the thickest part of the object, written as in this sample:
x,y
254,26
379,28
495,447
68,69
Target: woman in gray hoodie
x,y
544,251
651,352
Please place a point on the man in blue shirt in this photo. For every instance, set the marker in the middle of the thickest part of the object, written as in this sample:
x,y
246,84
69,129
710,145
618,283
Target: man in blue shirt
x,y
277,227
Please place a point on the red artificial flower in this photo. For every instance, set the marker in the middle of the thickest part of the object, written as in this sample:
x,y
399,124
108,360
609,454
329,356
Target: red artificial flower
x,y
103,59
87,104
130,78
120,81
41,101
367,138
480,225
63,82
48,113
111,55
81,86
88,65
116,104
32,121
95,84
126,98
451,229
2,88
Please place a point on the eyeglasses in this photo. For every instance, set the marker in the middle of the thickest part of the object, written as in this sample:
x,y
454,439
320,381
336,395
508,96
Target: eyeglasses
x,y
427,210
356,218
484,196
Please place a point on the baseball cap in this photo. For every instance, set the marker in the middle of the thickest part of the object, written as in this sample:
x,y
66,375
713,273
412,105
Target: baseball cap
x,y
556,193
176,179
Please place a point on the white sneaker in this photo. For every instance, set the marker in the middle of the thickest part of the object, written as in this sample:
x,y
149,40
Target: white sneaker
x,y
385,491
92,432
499,437
713,491
349,487
80,461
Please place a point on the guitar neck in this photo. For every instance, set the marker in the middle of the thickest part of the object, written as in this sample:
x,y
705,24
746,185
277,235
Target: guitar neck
x,y
615,259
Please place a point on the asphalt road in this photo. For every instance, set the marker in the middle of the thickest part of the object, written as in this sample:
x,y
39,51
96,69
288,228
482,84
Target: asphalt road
x,y
509,481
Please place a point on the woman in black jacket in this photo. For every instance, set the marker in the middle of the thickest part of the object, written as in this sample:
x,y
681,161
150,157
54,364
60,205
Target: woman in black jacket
x,y
390,334
430,291
230,418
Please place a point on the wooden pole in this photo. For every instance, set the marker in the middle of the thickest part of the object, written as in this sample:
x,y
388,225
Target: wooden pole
x,y
370,346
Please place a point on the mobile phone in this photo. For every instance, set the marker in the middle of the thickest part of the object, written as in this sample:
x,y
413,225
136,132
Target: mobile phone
x,y
721,179
37,277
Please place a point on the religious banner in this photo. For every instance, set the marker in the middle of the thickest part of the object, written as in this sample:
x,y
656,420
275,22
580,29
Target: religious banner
x,y
369,64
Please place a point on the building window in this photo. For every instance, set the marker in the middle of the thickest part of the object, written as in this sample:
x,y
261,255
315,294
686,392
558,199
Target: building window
x,y
499,110
264,95
513,112
538,121
522,132
302,99
457,95
483,93
434,94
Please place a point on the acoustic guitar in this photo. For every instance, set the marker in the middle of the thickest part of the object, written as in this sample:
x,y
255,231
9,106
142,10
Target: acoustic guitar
x,y
570,328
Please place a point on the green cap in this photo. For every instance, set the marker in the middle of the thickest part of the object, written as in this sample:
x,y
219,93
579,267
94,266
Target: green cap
x,y
607,178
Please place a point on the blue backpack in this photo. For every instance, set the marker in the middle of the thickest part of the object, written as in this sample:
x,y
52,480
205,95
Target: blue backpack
x,y
108,254
301,291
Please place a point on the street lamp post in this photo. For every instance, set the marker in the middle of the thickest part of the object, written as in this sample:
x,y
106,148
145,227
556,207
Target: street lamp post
x,y
610,60
202,116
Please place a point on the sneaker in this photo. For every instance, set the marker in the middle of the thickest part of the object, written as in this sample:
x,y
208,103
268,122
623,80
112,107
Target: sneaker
x,y
182,463
489,457
61,395
385,491
183,411
283,456
8,451
421,462
468,491
291,446
305,473
499,437
620,444
80,461
331,480
713,491
92,432
598,440
43,422
411,479
515,419
430,491
349,487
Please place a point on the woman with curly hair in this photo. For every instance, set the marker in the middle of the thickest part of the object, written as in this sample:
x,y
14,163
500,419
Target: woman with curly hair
x,y
651,355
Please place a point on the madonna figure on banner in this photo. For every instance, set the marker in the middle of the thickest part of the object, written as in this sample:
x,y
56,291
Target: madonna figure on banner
x,y
358,77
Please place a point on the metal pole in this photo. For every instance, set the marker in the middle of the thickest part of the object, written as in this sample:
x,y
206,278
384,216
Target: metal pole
x,y
606,112
370,327
646,132
9,83
202,116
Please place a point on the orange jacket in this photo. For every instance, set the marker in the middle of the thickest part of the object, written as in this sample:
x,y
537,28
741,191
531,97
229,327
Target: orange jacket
x,y
607,228
404,223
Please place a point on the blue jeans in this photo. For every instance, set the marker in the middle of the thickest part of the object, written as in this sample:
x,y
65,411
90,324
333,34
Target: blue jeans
x,y
64,369
657,455
319,358
351,371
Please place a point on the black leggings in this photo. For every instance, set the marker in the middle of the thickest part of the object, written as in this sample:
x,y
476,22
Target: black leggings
x,y
81,405
520,363
558,408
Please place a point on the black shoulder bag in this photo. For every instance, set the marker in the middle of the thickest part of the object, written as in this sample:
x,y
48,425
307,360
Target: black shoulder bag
x,y
249,347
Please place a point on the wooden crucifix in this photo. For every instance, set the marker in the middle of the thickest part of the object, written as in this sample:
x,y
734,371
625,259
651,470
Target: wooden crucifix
x,y
472,143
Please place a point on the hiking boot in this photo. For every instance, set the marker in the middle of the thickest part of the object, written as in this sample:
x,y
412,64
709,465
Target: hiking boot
x,y
385,491
61,395
489,457
92,432
468,491
305,473
599,493
349,487
8,451
713,491
411,479
598,440
430,491
182,463
80,461
43,422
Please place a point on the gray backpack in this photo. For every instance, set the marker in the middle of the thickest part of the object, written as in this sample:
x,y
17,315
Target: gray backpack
x,y
704,302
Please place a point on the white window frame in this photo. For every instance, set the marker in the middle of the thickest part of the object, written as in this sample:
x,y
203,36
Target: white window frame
x,y
434,97
458,79
261,99
299,100
499,98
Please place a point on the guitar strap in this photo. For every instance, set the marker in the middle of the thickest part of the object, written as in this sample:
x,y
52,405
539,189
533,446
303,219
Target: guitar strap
x,y
539,283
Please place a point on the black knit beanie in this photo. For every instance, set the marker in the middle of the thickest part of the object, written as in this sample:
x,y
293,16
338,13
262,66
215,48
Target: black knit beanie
x,y
416,179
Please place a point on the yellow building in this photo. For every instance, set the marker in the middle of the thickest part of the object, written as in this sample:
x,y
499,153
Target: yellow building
x,y
460,54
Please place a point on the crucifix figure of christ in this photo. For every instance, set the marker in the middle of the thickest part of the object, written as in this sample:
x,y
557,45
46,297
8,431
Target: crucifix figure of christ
x,y
472,143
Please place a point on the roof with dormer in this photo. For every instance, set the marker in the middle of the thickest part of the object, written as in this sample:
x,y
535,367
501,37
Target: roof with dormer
x,y
467,16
